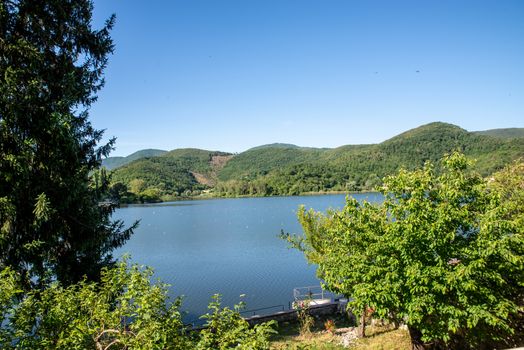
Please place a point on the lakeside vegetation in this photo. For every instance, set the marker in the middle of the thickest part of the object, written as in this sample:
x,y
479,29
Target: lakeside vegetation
x,y
283,169
444,253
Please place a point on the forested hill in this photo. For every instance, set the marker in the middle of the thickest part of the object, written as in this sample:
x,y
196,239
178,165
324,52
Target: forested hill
x,y
284,169
181,172
115,162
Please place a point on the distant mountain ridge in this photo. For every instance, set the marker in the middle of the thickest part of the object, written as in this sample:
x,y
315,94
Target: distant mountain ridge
x,y
275,145
115,162
286,169
506,133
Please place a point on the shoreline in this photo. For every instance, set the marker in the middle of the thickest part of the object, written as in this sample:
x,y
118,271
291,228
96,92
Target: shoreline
x,y
207,197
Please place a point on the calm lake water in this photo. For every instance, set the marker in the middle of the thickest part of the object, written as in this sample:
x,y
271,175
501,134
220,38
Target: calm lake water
x,y
226,246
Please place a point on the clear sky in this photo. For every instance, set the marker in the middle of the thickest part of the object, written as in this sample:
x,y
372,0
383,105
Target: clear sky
x,y
232,74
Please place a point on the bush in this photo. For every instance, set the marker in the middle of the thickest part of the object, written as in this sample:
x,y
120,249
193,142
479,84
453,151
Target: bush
x,y
124,311
444,252
226,329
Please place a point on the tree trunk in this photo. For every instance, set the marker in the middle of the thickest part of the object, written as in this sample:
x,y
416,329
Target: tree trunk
x,y
395,320
362,325
416,339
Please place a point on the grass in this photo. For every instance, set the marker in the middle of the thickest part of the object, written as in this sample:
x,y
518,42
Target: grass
x,y
377,338
384,338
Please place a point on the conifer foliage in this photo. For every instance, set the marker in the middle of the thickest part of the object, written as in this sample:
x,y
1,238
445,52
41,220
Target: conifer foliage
x,y
53,223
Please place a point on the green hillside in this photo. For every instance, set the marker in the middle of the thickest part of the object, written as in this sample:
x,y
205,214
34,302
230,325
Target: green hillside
x,y
430,142
111,163
359,167
284,169
259,161
179,172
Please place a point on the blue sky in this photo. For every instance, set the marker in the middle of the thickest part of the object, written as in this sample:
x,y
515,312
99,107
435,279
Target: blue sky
x,y
232,74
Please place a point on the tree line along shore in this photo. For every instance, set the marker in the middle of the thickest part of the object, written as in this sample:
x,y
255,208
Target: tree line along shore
x,y
284,169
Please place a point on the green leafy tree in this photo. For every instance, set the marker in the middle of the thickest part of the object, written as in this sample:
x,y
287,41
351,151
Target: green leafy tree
x,y
444,253
137,185
226,329
122,311
51,66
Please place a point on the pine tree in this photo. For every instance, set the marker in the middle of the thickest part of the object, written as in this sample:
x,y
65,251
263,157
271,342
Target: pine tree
x,y
54,222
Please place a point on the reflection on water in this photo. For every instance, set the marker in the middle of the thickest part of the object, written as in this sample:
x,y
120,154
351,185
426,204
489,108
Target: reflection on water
x,y
226,246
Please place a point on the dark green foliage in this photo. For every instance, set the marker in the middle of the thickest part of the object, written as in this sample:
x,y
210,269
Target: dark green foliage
x,y
114,162
53,220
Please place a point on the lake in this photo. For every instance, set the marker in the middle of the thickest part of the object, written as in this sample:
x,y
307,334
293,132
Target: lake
x,y
226,246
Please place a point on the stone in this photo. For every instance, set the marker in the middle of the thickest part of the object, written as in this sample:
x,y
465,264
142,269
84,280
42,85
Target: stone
x,y
348,338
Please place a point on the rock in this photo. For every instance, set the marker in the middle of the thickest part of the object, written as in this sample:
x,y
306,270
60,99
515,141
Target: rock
x,y
348,338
